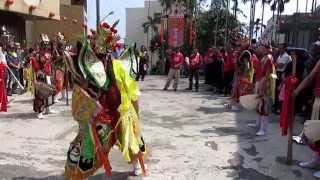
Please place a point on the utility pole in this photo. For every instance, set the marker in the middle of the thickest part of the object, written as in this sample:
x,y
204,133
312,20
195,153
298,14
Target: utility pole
x,y
98,14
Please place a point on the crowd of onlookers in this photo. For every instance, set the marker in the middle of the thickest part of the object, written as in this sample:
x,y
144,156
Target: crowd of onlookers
x,y
218,67
15,57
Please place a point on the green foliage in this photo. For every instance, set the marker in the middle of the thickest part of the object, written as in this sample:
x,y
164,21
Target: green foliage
x,y
206,27
150,23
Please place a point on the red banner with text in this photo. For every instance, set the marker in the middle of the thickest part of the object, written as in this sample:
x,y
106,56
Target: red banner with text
x,y
176,31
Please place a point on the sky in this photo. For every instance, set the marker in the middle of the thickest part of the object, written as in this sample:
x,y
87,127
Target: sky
x,y
118,6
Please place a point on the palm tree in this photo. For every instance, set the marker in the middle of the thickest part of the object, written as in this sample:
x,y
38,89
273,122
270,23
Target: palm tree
x,y
252,15
278,5
263,2
166,3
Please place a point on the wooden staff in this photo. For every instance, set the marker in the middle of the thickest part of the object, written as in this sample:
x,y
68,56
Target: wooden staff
x,y
290,127
66,77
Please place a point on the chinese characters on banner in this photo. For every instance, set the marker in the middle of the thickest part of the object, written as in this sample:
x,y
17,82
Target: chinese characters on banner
x,y
176,31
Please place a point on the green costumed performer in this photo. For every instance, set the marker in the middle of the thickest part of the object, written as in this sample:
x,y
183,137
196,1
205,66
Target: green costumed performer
x,y
105,104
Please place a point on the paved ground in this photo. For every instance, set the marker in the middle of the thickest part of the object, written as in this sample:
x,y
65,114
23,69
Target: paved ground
x,y
191,136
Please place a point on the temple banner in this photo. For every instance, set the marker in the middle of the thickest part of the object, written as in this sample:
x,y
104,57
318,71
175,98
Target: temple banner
x,y
176,31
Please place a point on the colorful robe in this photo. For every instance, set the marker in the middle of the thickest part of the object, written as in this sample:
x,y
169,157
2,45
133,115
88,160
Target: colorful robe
x,y
3,89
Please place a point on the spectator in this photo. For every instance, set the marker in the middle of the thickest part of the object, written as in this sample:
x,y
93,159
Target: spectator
x,y
282,62
176,61
194,65
20,56
15,66
207,60
217,71
143,63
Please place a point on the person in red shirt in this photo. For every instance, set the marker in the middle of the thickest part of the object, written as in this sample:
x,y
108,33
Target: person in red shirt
x,y
228,69
194,63
176,61
257,69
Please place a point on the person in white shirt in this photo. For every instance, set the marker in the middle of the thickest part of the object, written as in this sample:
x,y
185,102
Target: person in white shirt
x,y
283,60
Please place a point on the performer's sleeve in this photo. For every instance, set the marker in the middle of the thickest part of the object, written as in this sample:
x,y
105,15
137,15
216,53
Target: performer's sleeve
x,y
129,83
131,86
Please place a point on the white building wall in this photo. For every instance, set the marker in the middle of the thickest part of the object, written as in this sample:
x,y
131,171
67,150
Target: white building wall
x,y
134,31
135,17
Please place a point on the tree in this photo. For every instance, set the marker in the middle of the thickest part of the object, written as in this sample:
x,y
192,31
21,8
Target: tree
x,y
209,35
236,10
263,2
278,5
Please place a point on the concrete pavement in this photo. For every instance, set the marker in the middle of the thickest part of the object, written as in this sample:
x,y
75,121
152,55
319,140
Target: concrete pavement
x,y
190,136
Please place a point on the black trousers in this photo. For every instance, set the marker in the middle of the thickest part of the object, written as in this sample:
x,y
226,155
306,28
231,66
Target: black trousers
x,y
194,73
227,80
142,72
217,74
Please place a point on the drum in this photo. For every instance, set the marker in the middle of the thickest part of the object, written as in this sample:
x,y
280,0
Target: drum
x,y
44,90
311,130
249,102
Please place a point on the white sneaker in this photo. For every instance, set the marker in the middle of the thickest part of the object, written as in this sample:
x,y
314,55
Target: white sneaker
x,y
137,169
235,108
253,125
261,133
317,174
40,115
310,164
51,111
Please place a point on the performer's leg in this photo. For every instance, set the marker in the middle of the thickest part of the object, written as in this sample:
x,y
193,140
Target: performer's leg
x,y
176,79
144,72
190,80
257,123
196,76
315,161
170,77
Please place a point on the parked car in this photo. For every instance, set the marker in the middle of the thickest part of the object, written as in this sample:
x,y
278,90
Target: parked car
x,y
303,61
303,105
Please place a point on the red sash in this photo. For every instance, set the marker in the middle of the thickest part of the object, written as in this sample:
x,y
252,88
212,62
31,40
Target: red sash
x,y
291,83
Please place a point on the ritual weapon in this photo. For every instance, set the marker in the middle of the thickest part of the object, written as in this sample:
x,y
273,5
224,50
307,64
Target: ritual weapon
x,y
291,120
15,78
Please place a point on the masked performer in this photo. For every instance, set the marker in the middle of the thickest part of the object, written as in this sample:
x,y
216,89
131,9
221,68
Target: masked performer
x,y
105,104
266,89
42,83
59,67
3,82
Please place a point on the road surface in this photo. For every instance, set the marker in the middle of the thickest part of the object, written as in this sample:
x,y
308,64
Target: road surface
x,y
190,136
